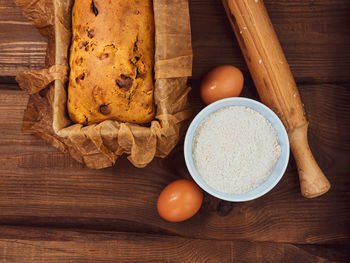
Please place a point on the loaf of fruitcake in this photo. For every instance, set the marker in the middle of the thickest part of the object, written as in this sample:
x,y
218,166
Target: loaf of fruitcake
x,y
111,61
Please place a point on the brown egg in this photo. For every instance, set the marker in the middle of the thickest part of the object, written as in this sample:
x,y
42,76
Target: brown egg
x,y
179,201
221,82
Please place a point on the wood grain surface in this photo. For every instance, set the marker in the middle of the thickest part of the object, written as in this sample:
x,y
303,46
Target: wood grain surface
x,y
47,187
21,45
56,245
54,210
315,37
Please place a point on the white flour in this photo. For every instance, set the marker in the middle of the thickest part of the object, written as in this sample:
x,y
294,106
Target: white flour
x,y
235,149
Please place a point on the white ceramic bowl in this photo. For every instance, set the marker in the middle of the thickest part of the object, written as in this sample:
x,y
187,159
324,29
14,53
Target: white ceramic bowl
x,y
280,166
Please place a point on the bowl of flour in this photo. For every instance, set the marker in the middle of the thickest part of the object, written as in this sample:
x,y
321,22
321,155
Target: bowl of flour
x,y
236,149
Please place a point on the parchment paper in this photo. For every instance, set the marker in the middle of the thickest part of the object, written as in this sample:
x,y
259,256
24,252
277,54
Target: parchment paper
x,y
99,145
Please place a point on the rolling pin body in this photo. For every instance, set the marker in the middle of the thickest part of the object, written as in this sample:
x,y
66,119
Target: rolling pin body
x,y
275,84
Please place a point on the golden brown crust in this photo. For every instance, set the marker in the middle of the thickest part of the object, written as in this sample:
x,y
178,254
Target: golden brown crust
x,y
111,61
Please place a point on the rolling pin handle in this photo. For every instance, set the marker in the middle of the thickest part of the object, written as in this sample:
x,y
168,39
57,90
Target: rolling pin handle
x,y
313,182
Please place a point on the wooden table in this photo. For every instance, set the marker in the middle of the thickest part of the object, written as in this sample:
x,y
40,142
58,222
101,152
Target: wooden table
x,y
54,210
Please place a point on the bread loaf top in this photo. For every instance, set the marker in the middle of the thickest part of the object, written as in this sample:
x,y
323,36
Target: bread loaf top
x,y
111,61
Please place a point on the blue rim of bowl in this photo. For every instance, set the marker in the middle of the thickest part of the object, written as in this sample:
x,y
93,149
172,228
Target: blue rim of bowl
x,y
283,140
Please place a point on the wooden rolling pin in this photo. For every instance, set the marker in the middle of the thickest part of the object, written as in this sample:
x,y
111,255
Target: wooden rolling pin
x,y
275,84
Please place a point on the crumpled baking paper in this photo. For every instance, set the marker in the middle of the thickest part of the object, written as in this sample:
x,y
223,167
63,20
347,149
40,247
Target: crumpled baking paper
x,y
99,145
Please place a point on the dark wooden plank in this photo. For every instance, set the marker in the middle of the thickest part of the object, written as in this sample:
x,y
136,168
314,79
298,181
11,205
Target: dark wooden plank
x,y
8,80
21,45
55,245
314,35
41,186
